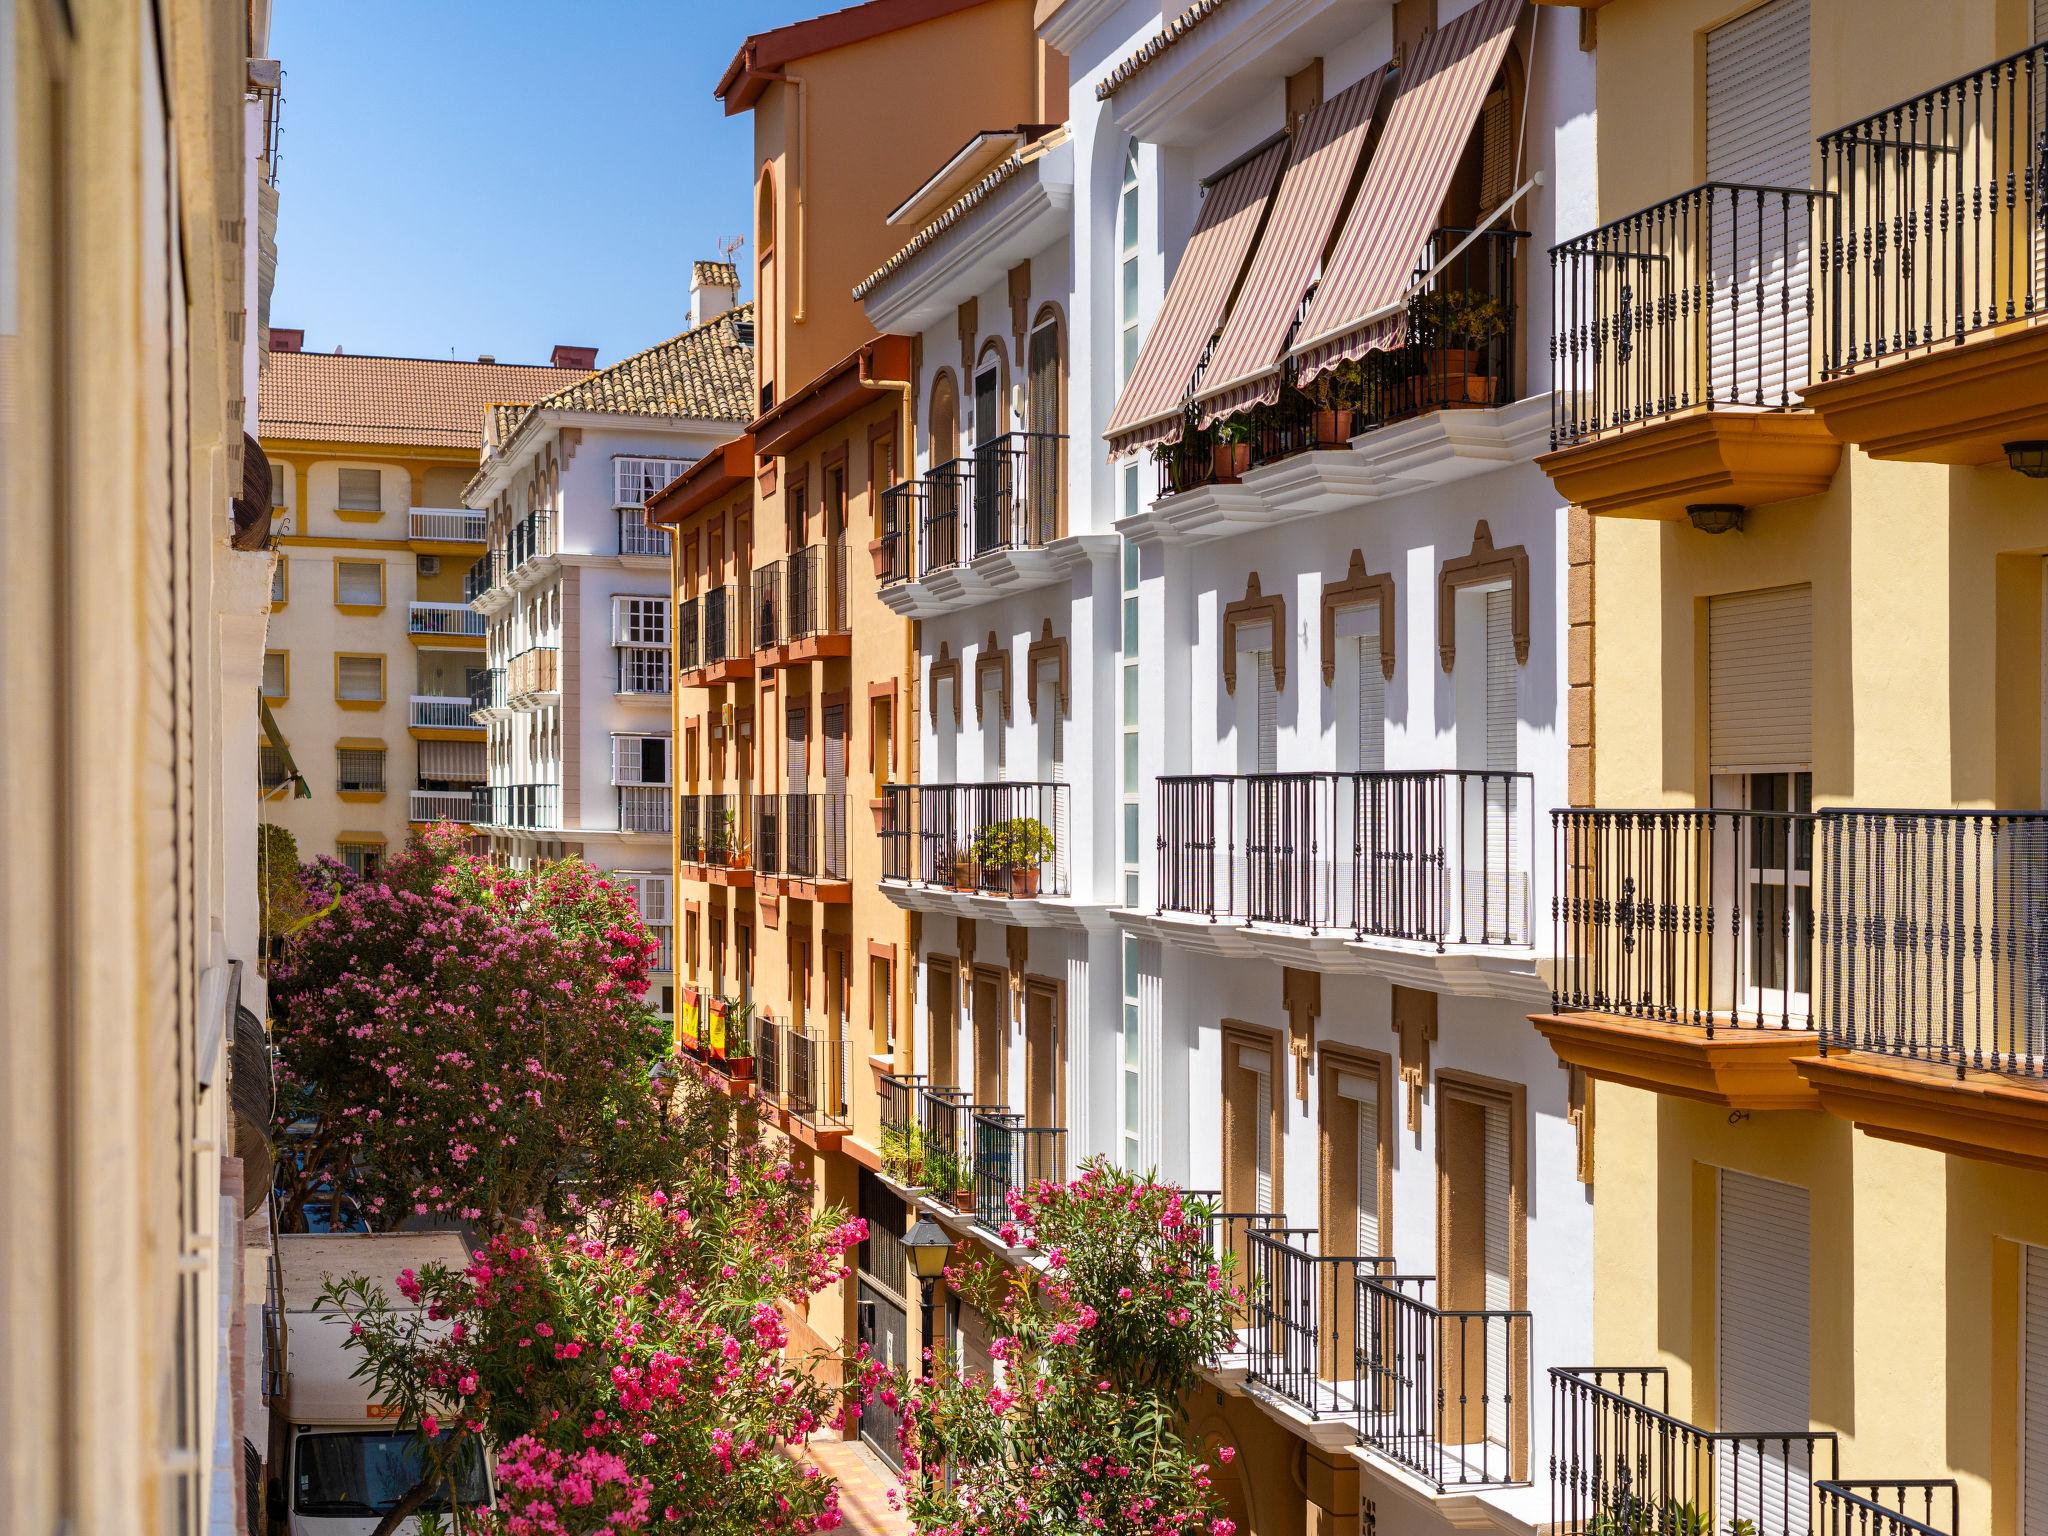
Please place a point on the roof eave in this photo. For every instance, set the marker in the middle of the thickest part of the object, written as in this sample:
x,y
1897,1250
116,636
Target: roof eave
x,y
727,468
864,375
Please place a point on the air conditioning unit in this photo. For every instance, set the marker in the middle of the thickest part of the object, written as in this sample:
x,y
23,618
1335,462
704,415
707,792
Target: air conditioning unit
x,y
430,565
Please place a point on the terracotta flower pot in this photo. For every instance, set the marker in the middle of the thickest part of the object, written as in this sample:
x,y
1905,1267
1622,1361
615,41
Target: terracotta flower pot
x,y
1024,882
742,1070
1231,460
885,558
1335,426
963,1201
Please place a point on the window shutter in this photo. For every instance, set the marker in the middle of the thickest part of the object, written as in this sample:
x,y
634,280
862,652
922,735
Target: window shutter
x,y
360,490
1760,681
1363,1090
273,675
1269,713
1499,1238
362,677
457,761
626,759
2034,1380
1372,697
1763,1322
797,755
1259,1064
1496,152
1501,681
359,582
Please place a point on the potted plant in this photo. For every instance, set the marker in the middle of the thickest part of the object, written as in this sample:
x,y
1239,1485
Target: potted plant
x,y
903,1153
739,1040
1017,849
947,1174
1340,395
1454,327
1232,453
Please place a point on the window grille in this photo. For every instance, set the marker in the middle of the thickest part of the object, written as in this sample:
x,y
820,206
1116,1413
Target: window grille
x,y
643,669
360,769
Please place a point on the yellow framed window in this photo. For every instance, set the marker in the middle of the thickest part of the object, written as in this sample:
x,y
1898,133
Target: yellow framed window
x,y
359,585
277,676
359,681
362,852
280,583
359,769
359,491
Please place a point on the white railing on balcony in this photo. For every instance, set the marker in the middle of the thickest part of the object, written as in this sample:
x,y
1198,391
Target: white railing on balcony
x,y
448,525
645,807
664,961
442,805
636,538
446,619
434,711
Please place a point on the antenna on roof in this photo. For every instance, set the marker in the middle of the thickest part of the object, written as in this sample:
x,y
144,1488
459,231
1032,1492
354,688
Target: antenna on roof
x,y
729,248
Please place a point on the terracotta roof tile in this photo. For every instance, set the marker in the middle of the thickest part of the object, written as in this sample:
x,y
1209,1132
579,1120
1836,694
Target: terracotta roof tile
x,y
1149,51
975,195
717,274
404,401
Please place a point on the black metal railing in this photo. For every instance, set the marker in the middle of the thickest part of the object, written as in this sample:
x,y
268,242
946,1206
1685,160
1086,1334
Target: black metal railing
x,y
1001,839
764,604
902,518
1444,1392
1704,300
516,805
1016,495
1011,1155
690,842
1306,1333
1225,1233
1910,1507
897,1100
1696,917
818,1069
768,1038
1933,937
1621,1461
689,634
726,636
1938,222
487,690
801,835
813,596
720,831
946,1119
485,573
1439,857
530,537
948,490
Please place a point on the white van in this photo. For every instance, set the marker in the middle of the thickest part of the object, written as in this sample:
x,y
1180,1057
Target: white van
x,y
345,1460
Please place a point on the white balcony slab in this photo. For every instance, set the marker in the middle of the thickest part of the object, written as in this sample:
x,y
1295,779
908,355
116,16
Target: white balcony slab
x,y
1017,911
1332,1433
1510,972
1517,1509
997,574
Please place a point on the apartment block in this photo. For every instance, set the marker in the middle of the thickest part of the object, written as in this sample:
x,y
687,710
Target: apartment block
x,y
373,650
1795,903
572,592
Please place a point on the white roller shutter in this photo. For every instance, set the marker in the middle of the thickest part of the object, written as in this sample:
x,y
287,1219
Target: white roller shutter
x,y
1760,681
1500,1278
1759,129
1763,1329
1269,713
1262,1160
460,761
1500,681
994,753
1359,625
2034,1385
1362,1090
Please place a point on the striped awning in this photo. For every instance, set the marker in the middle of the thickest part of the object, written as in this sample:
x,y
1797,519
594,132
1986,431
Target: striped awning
x,y
459,761
1359,306
1149,410
1246,368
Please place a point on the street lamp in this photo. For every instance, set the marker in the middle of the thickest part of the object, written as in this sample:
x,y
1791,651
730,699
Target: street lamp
x,y
929,1244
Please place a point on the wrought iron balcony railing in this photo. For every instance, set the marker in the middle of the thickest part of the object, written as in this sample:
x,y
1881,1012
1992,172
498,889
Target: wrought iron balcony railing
x,y
1937,225
1704,300
819,1072
485,574
1913,1507
1011,1156
1437,857
689,634
1444,1392
487,691
1001,839
1307,1332
714,831
727,636
801,835
528,539
902,518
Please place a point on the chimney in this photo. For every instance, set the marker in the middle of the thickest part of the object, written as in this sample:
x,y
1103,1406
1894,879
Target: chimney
x,y
714,288
286,341
566,356
487,357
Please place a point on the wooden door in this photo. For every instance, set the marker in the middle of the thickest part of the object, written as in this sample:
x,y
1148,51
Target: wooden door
x,y
941,1024
990,1030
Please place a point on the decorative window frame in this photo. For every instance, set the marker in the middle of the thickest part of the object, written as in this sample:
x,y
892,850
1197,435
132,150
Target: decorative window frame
x,y
1357,588
383,588
1482,567
991,658
1047,648
1253,608
947,666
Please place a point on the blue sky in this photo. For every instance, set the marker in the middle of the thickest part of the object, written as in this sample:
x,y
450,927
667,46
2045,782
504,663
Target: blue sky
x,y
469,176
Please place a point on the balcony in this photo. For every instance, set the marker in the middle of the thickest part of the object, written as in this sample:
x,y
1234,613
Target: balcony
x,y
519,807
486,694
803,1080
528,539
1684,952
689,634
928,1140
637,538
1681,347
715,639
714,839
800,844
436,712
1621,1461
1443,1392
641,672
999,849
533,677
645,807
444,621
1307,1324
1419,875
457,805
1932,968
799,605
1934,271
1010,1157
485,574
446,525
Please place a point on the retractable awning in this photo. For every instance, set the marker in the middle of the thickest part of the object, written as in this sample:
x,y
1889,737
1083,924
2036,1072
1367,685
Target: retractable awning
x,y
1358,307
1246,368
458,761
1149,410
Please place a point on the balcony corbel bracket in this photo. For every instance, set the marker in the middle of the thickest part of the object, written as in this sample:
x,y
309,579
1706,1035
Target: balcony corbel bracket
x,y
1301,995
1415,1023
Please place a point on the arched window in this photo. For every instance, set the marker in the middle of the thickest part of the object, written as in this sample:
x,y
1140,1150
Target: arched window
x,y
945,419
1127,265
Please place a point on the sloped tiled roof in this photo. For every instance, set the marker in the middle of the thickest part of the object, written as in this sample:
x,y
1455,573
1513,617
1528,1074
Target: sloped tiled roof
x,y
1149,51
958,209
426,402
717,274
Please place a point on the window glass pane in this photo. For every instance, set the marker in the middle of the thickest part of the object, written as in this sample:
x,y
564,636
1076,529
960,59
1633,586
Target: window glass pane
x,y
1130,834
277,581
1130,764
1131,889
1130,211
1130,567
1130,350
1130,626
1130,698
1131,971
1131,1099
1130,477
273,674
1130,292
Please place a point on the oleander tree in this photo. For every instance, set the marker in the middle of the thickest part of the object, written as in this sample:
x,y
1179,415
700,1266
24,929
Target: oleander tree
x,y
1081,1429
634,1375
464,1042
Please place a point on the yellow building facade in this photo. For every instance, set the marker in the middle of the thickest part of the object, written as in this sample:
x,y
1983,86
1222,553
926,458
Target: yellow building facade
x,y
1799,940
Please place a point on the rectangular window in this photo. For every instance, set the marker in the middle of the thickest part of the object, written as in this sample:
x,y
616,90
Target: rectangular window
x,y
1131,1141
639,621
280,583
359,678
359,583
881,743
270,769
277,674
362,859
642,669
359,770
360,490
881,1006
653,898
636,479
640,760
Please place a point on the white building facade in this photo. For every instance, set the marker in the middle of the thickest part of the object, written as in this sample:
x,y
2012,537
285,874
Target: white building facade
x,y
577,693
1308,591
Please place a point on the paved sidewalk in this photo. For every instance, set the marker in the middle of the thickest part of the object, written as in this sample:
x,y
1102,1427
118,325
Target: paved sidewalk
x,y
864,1482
